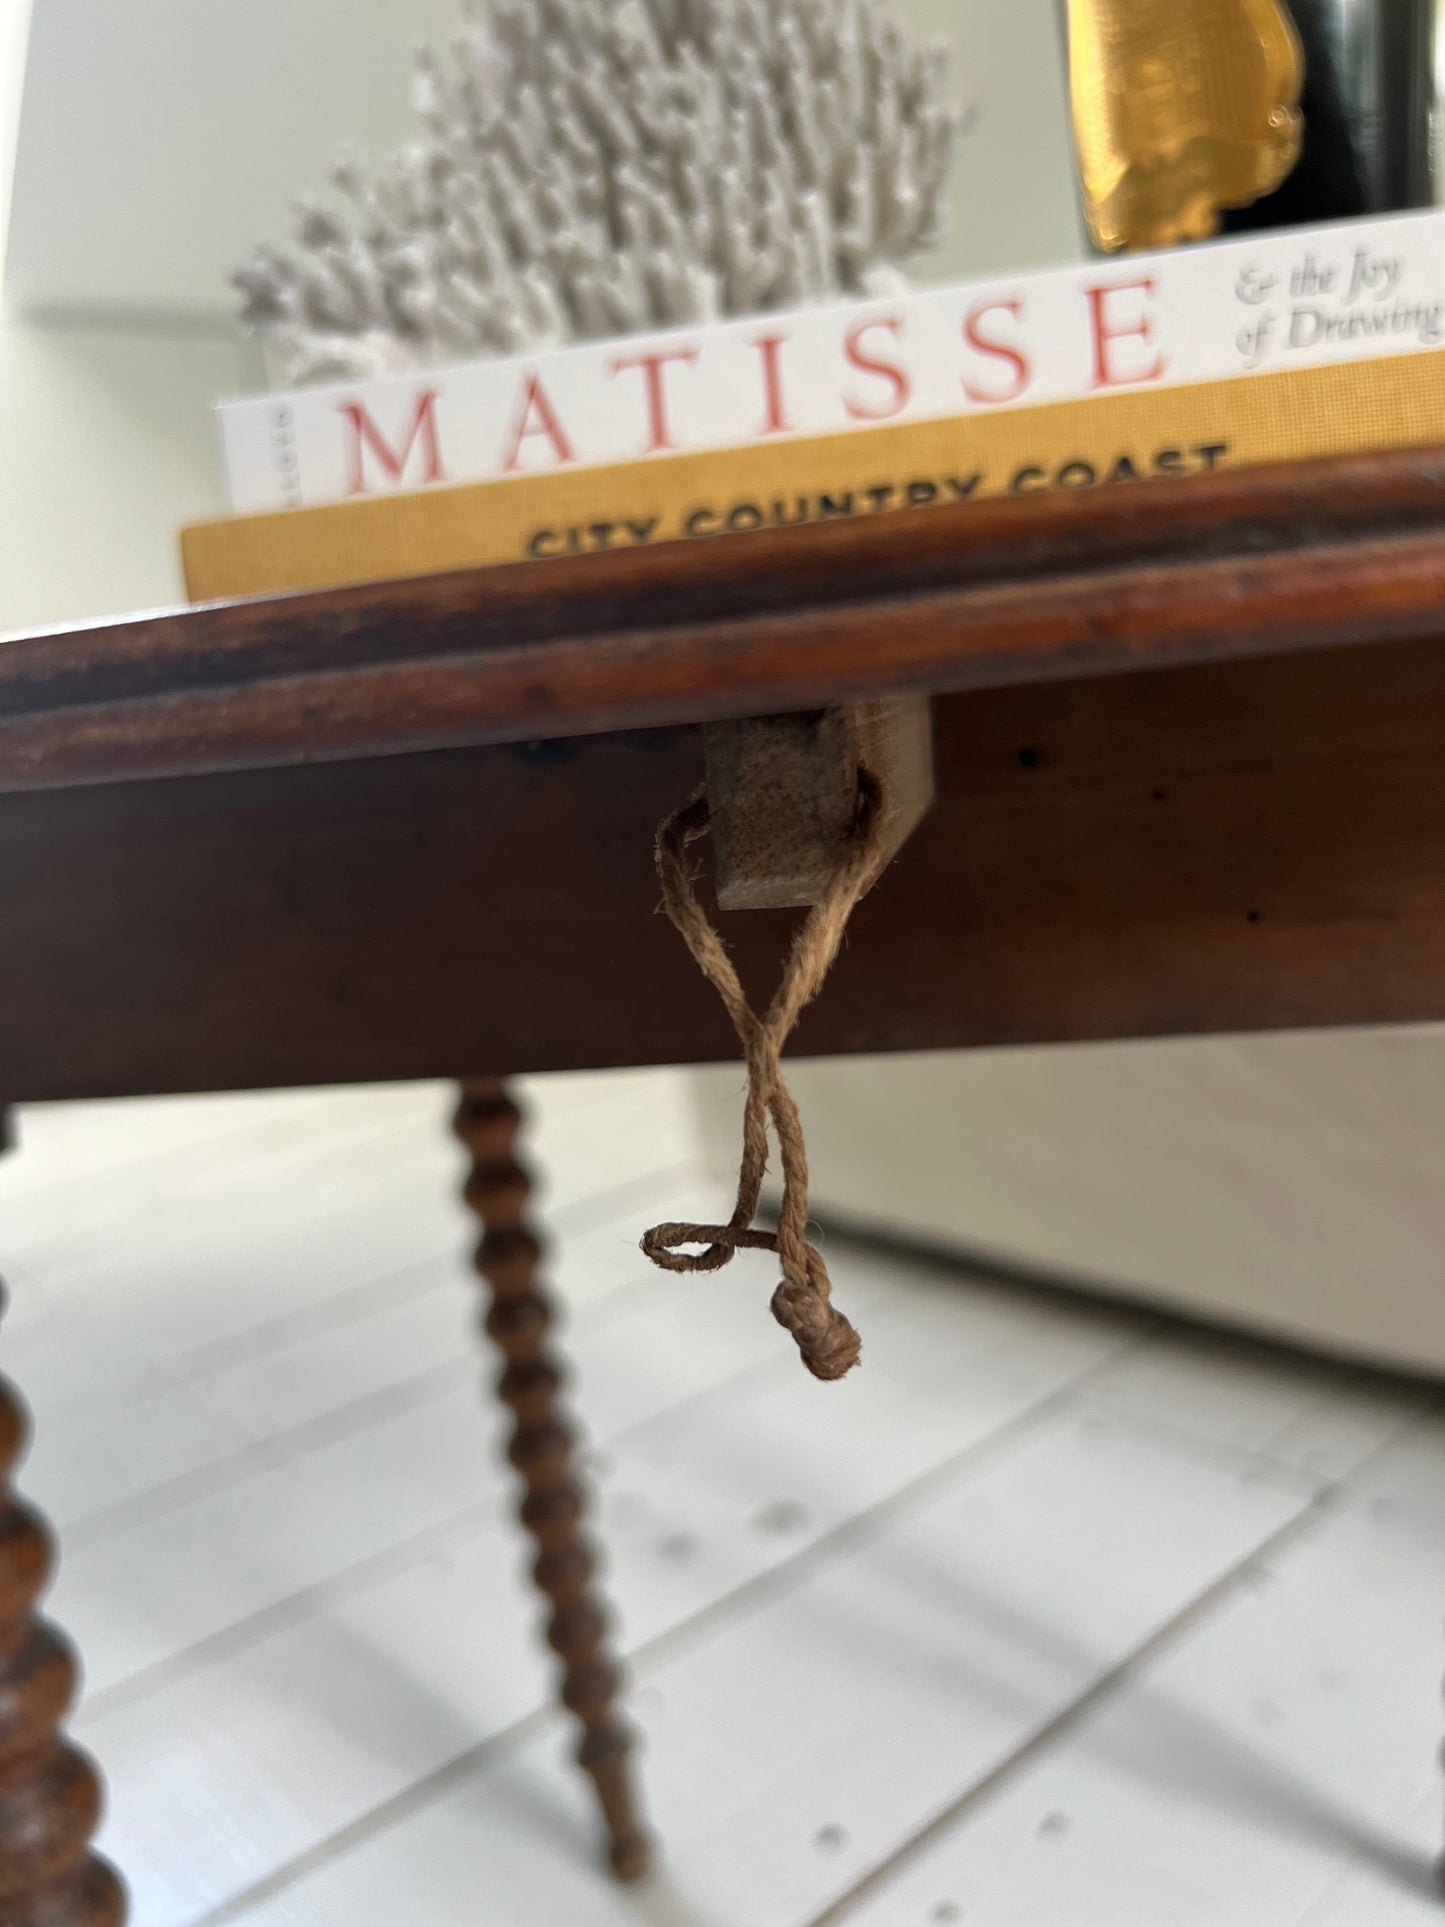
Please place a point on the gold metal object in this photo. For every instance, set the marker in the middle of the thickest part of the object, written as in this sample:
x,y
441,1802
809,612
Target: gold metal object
x,y
1180,108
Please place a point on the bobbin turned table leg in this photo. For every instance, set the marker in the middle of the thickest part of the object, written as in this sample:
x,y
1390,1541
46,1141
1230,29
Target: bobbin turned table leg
x,y
497,1189
50,1795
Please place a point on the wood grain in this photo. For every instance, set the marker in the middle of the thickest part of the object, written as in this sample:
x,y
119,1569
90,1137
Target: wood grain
x,y
1227,847
1240,564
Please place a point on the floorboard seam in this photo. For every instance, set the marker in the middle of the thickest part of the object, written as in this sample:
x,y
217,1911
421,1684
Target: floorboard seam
x,y
1313,1510
759,1591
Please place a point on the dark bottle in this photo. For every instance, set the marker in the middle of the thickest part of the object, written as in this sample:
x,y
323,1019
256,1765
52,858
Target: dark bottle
x,y
1371,142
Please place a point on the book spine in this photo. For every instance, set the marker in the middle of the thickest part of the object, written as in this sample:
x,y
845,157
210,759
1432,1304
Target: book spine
x,y
961,356
1106,443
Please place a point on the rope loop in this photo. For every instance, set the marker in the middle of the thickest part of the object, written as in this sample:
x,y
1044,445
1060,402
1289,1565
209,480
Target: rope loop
x,y
802,1303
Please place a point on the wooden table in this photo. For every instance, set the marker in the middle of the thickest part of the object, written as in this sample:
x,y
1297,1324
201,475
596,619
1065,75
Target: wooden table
x,y
1189,740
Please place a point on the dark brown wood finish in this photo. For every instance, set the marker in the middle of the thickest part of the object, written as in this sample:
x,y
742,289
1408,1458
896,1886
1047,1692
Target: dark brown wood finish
x,y
1228,565
518,1323
50,1796
1228,847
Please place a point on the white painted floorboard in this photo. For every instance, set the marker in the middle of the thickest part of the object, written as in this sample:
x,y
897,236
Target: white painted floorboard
x,y
1053,1615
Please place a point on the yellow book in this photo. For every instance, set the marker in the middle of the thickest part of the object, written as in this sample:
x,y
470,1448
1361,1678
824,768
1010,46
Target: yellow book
x,y
1106,441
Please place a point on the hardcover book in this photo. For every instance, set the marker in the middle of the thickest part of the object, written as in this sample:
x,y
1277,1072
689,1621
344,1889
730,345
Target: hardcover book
x,y
1306,342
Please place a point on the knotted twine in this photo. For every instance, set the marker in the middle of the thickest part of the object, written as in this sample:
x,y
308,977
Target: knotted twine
x,y
802,1303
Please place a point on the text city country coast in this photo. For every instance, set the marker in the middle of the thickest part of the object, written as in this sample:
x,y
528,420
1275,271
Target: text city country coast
x,y
789,510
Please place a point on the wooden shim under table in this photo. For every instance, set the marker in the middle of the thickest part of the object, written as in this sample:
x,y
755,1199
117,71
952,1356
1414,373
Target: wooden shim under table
x,y
783,794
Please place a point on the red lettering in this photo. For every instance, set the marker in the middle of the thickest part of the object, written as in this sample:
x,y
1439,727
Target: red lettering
x,y
775,422
1106,374
861,411
652,364
976,338
365,434
535,402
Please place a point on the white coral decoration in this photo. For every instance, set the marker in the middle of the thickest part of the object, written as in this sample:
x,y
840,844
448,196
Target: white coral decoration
x,y
595,167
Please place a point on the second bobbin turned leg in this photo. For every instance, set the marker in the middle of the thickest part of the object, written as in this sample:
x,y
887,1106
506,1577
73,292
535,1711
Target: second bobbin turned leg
x,y
49,1792
497,1190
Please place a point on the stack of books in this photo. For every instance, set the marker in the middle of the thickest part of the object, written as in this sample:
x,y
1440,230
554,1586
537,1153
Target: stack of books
x,y
1287,345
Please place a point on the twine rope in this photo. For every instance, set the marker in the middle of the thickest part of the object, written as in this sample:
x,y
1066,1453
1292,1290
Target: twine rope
x,y
802,1303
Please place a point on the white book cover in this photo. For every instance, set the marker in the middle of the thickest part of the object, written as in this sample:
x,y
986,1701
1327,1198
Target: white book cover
x,y
1298,298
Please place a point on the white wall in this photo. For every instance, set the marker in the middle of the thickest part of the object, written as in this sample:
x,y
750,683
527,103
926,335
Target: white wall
x,y
161,138
14,29
107,441
108,446
1014,205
